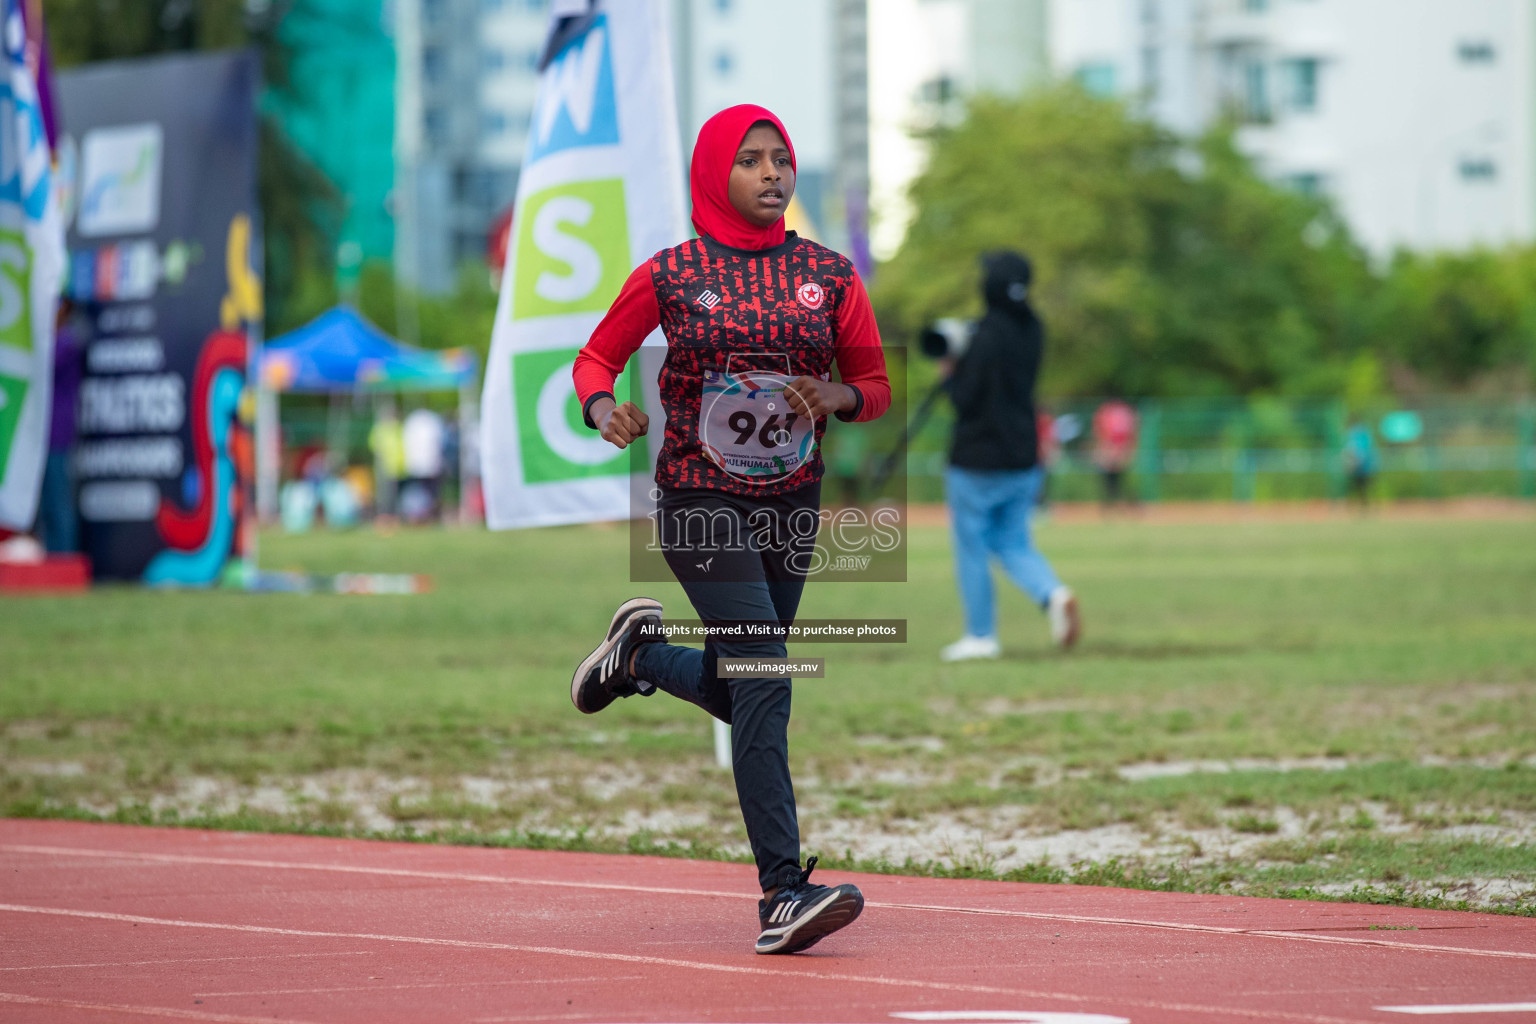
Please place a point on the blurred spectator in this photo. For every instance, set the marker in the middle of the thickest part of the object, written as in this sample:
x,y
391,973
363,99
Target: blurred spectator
x,y
316,466
423,440
1360,461
297,502
57,518
452,463
388,447
994,470
359,479
339,502
1050,451
1114,446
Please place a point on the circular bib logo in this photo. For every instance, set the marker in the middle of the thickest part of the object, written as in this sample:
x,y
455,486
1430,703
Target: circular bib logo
x,y
747,428
810,295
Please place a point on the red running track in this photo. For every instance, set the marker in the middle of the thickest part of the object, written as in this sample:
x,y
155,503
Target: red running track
x,y
106,923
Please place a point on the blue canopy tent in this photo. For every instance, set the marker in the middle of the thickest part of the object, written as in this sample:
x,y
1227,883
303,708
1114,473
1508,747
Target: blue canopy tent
x,y
340,352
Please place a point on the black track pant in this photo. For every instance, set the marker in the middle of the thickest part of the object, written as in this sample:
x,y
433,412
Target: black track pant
x,y
740,560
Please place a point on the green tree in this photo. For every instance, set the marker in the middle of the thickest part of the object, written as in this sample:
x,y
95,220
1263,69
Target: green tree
x,y
1162,268
462,318
1455,319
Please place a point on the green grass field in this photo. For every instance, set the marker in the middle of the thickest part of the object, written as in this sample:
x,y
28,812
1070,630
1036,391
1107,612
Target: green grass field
x,y
1343,708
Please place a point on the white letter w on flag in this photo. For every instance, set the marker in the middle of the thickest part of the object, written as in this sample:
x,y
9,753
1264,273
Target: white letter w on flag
x,y
573,85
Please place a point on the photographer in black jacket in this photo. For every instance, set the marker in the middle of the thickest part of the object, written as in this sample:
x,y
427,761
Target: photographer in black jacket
x,y
994,475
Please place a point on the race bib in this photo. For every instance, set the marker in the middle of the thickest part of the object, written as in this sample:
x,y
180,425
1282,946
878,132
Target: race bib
x,y
747,428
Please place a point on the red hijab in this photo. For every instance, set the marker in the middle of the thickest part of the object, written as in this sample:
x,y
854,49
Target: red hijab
x,y
709,178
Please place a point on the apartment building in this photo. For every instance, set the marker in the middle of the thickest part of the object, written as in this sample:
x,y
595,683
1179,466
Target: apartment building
x,y
809,64
1415,116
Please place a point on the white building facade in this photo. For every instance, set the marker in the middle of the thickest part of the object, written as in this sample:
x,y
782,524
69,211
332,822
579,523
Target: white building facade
x,y
1417,117
466,72
467,75
925,57
808,63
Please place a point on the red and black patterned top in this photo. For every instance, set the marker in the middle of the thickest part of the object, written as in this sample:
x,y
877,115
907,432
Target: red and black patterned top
x,y
711,301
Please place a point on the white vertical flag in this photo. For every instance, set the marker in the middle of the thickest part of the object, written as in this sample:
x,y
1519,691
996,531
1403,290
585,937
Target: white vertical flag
x,y
31,263
600,191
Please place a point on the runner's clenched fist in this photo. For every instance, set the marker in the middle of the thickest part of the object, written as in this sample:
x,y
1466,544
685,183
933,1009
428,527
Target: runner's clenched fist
x,y
813,397
620,424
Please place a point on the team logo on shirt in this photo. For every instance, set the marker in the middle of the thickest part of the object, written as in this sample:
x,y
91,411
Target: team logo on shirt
x,y
810,295
708,299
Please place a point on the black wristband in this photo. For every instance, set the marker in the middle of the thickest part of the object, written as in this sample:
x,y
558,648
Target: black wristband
x,y
858,405
586,408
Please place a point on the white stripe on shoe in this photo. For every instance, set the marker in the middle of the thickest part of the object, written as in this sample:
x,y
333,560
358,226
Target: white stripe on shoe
x,y
606,658
784,911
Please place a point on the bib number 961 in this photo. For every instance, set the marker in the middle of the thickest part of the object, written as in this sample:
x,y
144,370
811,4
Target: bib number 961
x,y
746,426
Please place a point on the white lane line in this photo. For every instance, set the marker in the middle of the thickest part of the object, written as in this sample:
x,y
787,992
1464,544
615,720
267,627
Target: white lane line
x,y
1011,1017
424,984
350,869
451,876
1262,933
147,1011
1464,1008
796,972
183,960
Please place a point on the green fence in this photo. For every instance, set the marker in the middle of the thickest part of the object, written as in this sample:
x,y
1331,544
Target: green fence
x,y
1269,449
1188,450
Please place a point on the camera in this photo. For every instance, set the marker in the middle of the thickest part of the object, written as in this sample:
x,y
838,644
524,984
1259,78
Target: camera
x,y
946,338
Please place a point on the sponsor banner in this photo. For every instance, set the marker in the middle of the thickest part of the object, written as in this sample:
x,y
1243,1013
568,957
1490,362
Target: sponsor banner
x,y
600,191
162,251
31,266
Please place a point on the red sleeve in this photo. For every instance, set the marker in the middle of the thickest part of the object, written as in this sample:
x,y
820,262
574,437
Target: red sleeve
x,y
630,320
860,359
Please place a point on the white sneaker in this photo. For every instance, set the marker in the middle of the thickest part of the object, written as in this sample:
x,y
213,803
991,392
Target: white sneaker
x,y
971,648
1066,622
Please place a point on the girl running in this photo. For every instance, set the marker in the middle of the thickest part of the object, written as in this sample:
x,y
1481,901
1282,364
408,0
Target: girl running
x,y
754,318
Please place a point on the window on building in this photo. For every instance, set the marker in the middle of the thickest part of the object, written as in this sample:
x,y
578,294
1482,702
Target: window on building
x,y
1478,169
1478,51
1098,79
1299,81
1151,71
724,63
433,64
1255,94
477,186
938,91
434,125
1308,183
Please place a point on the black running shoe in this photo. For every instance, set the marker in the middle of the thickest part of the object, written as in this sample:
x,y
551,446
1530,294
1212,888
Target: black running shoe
x,y
801,914
604,674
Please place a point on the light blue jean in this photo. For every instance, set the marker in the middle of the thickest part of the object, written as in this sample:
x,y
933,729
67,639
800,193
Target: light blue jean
x,y
989,513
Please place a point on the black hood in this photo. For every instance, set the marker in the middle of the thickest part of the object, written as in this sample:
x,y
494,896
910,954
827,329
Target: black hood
x,y
1005,277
